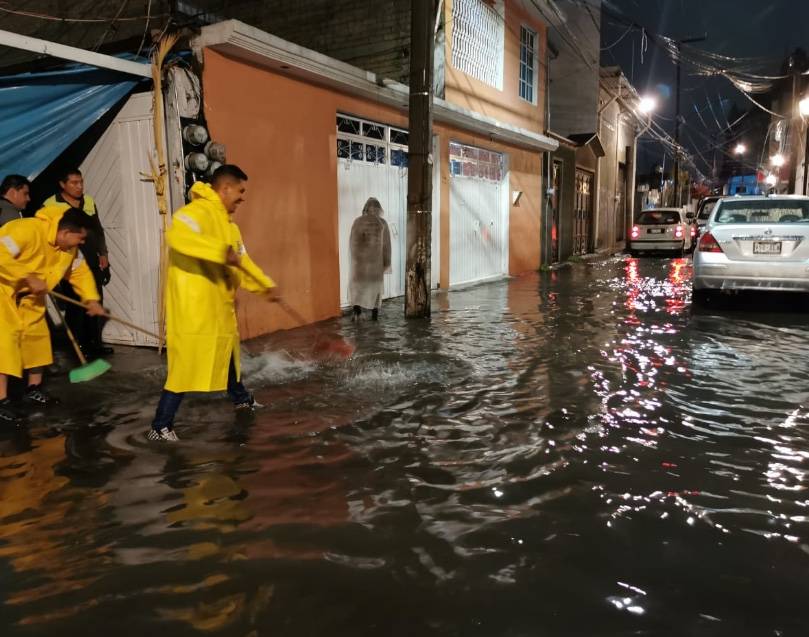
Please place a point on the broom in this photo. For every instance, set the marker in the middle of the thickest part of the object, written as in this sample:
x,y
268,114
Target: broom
x,y
87,371
110,317
323,344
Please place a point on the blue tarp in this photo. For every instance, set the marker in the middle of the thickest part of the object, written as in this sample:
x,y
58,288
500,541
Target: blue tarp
x,y
41,114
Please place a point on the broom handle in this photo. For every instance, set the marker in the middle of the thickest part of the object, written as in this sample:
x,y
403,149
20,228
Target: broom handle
x,y
109,316
284,305
72,338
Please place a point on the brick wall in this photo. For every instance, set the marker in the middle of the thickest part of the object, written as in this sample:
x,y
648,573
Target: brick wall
x,y
371,34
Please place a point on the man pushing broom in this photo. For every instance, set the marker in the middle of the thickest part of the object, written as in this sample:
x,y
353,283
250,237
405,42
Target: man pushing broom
x,y
35,255
207,264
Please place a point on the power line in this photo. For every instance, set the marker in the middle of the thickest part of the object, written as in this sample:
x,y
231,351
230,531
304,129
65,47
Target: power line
x,y
45,16
629,30
145,28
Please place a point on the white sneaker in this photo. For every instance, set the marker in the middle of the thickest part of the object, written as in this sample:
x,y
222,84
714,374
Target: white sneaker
x,y
252,406
164,434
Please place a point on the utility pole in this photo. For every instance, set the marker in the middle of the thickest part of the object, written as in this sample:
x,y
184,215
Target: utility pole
x,y
794,118
420,160
679,43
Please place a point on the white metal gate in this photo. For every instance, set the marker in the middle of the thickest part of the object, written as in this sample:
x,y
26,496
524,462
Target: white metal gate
x,y
478,214
372,162
128,211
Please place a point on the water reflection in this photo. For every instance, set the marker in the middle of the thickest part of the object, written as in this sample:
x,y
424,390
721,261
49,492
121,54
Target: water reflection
x,y
576,452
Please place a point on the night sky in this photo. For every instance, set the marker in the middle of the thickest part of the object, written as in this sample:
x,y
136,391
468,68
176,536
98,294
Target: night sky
x,y
767,29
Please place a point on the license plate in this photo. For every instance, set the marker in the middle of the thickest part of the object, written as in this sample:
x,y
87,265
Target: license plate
x,y
655,231
766,247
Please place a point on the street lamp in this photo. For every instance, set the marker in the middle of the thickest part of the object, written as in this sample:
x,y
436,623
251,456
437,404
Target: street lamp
x,y
740,149
803,105
647,104
777,160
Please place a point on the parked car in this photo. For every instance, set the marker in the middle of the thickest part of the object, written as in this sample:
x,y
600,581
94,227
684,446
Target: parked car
x,y
704,209
662,230
754,243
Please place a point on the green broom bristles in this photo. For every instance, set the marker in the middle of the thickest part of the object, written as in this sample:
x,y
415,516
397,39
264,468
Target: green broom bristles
x,y
89,371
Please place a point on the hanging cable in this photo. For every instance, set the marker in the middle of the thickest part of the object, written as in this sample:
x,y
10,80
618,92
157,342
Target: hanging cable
x,y
644,45
618,41
53,18
146,28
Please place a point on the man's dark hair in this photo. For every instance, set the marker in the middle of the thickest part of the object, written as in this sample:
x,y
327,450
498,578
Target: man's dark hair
x,y
74,220
64,174
227,172
13,181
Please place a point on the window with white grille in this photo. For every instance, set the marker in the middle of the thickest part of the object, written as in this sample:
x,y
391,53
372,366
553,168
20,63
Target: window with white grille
x,y
479,163
478,36
528,64
371,142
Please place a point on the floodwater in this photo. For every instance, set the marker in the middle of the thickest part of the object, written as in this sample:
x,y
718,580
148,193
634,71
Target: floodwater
x,y
569,453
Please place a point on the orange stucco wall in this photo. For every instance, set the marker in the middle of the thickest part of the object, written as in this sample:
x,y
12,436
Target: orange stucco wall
x,y
504,105
281,132
283,136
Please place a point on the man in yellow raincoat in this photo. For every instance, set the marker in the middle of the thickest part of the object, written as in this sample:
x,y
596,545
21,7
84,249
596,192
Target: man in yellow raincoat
x,y
35,255
207,264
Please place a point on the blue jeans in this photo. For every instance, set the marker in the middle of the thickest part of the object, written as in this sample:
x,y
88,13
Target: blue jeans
x,y
170,401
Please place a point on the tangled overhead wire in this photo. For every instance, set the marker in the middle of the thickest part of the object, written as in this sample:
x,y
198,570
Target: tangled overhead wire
x,y
747,73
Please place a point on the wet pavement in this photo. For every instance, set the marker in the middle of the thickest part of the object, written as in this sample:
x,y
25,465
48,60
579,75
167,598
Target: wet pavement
x,y
571,453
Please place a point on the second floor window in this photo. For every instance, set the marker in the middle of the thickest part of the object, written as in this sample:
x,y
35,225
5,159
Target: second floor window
x,y
528,65
478,39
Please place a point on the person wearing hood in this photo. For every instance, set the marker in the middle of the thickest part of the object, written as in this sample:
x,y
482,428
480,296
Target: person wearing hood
x,y
369,244
207,264
15,195
35,255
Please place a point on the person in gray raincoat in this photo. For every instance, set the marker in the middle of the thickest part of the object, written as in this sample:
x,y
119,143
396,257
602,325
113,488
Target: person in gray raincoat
x,y
370,259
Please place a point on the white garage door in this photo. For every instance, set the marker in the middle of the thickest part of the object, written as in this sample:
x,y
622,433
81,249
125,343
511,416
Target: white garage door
x,y
478,214
128,210
372,162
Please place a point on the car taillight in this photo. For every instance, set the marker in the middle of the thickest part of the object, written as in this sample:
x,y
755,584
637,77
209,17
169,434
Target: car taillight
x,y
635,232
707,243
678,232
693,231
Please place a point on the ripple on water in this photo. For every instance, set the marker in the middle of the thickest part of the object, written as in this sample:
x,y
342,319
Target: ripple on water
x,y
574,452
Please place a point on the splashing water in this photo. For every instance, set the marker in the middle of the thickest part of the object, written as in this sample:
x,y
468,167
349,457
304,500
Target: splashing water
x,y
274,367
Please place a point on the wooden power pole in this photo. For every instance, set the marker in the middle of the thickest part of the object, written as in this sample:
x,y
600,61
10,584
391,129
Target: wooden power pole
x,y
420,160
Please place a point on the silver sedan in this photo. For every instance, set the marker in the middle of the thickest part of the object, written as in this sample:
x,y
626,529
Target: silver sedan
x,y
754,243
662,230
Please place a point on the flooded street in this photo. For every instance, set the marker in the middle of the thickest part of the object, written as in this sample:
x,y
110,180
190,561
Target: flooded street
x,y
569,453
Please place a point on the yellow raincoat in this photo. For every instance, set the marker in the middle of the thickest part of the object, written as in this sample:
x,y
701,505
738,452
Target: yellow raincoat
x,y
28,246
201,329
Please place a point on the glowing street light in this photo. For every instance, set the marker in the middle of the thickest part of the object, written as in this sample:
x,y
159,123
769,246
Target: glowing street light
x,y
804,106
740,149
647,104
777,160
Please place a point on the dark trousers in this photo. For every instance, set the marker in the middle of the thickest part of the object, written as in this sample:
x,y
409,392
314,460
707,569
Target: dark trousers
x,y
170,401
86,329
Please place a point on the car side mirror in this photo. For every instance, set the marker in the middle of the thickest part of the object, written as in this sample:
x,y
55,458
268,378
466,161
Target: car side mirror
x,y
690,215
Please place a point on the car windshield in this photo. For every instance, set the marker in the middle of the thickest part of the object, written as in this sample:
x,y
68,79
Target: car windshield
x,y
763,211
707,209
658,218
